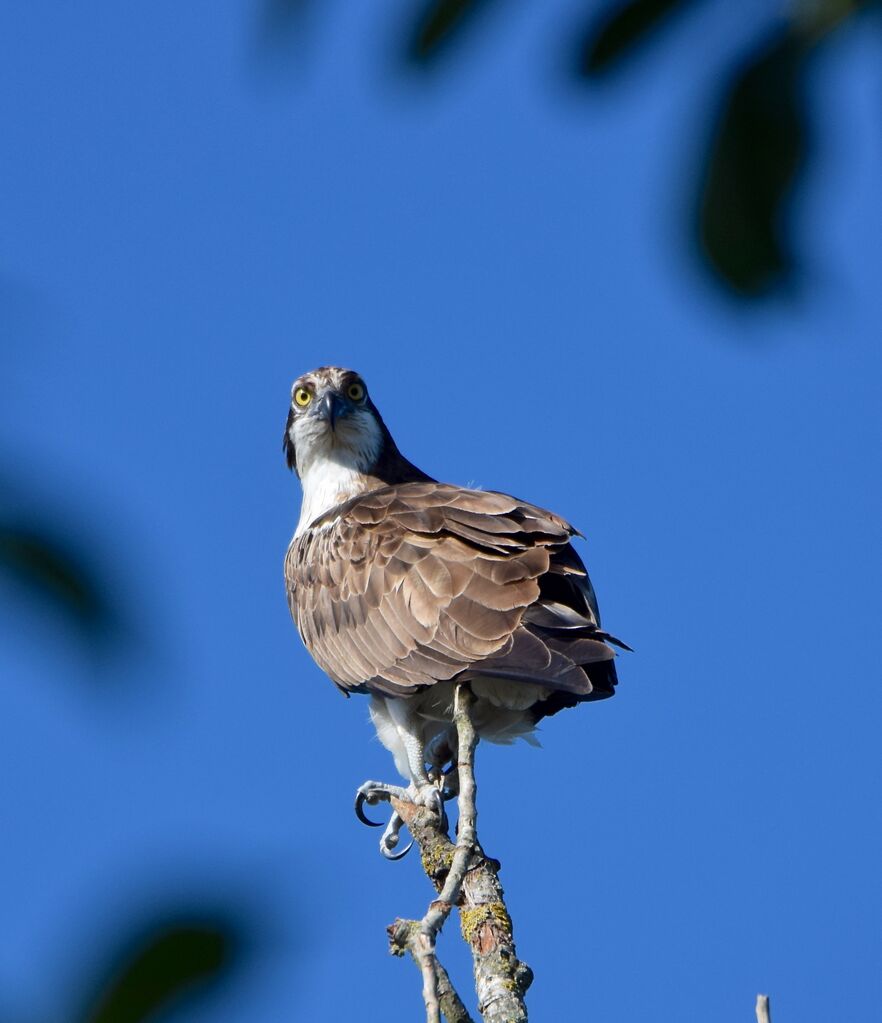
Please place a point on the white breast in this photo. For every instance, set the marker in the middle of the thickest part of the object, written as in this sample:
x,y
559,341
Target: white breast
x,y
326,484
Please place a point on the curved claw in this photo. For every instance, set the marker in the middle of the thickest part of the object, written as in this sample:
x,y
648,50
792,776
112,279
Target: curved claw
x,y
360,800
387,852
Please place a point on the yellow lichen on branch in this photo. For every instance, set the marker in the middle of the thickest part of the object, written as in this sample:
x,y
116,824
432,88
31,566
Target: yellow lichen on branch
x,y
474,924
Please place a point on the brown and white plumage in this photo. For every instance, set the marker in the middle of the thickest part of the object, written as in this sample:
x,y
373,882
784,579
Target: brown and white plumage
x,y
417,583
401,586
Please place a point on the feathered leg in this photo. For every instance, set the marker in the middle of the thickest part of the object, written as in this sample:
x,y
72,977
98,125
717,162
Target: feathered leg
x,y
400,730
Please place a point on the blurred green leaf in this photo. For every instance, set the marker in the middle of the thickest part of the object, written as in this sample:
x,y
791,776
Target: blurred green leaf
x,y
759,145
615,33
183,956
440,22
60,577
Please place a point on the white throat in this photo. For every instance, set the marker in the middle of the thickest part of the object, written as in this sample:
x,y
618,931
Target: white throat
x,y
333,467
326,484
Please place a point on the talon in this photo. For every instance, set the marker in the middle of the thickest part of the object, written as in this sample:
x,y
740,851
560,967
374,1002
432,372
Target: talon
x,y
390,839
393,830
387,850
360,800
373,792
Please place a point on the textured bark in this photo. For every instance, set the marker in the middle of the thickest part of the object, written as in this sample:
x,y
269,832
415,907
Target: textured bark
x,y
404,937
465,877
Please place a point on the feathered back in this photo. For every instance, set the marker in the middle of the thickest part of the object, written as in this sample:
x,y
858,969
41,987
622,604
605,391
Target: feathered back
x,y
422,582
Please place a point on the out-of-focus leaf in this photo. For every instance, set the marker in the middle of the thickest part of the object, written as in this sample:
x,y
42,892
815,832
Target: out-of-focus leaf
x,y
61,577
182,956
616,33
438,24
759,144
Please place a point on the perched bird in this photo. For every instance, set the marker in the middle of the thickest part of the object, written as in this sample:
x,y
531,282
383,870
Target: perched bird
x,y
401,587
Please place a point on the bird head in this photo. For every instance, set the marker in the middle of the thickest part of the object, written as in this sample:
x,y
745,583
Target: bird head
x,y
332,419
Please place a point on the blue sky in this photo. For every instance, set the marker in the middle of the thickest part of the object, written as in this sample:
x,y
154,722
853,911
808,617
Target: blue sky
x,y
186,228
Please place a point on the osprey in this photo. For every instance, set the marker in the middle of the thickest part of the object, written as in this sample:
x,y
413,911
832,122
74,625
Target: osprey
x,y
401,587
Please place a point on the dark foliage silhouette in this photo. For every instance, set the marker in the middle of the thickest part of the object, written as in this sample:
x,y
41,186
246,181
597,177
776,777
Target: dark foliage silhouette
x,y
758,148
163,962
745,187
437,25
64,577
616,31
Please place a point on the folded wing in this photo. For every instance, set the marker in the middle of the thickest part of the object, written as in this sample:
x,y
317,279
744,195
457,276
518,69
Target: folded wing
x,y
418,583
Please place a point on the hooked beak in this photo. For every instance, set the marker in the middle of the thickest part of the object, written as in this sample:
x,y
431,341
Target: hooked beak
x,y
332,407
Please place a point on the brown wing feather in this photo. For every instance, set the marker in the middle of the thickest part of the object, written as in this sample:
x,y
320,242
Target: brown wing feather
x,y
422,582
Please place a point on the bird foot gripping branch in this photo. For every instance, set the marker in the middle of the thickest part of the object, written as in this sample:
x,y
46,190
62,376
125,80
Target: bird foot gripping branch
x,y
432,796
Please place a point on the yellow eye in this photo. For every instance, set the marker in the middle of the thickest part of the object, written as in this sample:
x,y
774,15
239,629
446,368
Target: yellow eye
x,y
355,391
302,397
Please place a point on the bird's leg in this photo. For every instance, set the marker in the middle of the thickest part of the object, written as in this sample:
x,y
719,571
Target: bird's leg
x,y
425,792
401,731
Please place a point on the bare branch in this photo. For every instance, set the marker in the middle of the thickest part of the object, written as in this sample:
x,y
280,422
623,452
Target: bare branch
x,y
421,940
439,909
451,1004
404,936
464,876
763,1014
